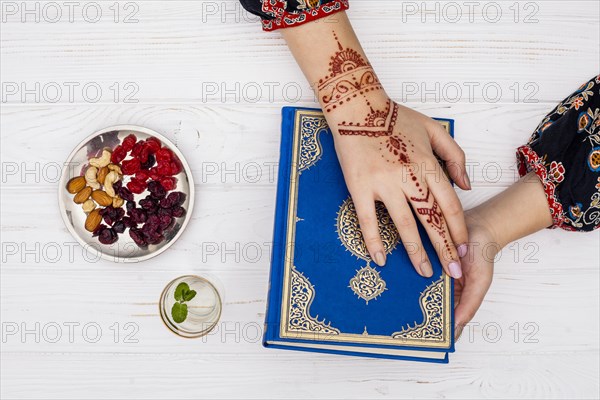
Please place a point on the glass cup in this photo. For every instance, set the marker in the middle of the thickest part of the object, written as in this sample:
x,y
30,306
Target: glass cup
x,y
204,310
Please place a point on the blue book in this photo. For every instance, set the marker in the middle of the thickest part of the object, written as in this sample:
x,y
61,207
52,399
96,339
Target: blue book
x,y
325,293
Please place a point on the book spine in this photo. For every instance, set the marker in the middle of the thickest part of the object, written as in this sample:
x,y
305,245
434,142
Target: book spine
x,y
272,316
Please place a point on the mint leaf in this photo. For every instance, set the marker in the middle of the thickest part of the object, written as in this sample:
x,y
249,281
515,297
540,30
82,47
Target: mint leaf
x,y
179,312
187,296
180,290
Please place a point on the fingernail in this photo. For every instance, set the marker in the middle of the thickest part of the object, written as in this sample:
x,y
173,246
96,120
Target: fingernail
x,y
458,328
426,269
467,180
455,270
380,258
462,250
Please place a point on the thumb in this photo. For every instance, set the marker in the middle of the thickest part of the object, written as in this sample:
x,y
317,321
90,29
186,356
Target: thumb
x,y
448,150
470,300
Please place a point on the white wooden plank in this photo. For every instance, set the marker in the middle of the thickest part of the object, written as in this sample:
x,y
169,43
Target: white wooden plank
x,y
279,374
182,50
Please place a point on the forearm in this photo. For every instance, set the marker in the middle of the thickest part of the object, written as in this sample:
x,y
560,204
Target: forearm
x,y
334,63
519,211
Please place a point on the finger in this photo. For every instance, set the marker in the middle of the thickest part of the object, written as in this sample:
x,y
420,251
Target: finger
x,y
369,226
471,298
451,208
430,215
448,150
409,234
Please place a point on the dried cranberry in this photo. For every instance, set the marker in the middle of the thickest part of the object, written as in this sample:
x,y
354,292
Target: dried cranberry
x,y
149,163
150,205
153,237
125,194
130,205
168,182
119,226
166,221
178,211
142,175
176,167
138,215
153,144
154,221
137,237
130,167
178,198
129,142
163,154
165,211
108,236
98,229
173,199
110,215
118,155
147,203
163,168
129,223
143,156
136,186
154,186
137,149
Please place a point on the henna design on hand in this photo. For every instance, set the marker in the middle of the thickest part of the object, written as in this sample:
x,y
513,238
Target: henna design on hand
x,y
350,75
380,124
434,216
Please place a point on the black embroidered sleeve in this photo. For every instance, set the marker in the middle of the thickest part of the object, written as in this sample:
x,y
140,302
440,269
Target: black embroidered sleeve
x,y
564,152
277,14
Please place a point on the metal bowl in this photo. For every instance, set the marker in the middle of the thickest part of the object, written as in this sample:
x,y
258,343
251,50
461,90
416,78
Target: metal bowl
x,y
124,249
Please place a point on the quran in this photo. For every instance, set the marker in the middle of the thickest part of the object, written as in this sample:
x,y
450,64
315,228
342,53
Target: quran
x,y
325,292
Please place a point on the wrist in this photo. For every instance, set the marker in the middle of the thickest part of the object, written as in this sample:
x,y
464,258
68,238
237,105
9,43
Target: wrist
x,y
338,114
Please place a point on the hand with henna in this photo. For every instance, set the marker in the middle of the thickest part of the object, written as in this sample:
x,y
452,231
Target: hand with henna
x,y
386,150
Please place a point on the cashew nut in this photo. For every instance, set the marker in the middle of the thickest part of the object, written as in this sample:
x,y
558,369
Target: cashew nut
x,y
116,168
101,161
117,202
88,205
90,178
111,178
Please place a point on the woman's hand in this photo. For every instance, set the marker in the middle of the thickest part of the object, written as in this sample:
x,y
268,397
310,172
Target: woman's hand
x,y
386,154
385,149
517,212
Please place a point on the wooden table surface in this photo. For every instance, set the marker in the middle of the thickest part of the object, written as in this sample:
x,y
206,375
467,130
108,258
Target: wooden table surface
x,y
206,76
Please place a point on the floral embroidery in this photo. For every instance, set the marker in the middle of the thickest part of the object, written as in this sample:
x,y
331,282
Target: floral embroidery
x,y
583,122
575,211
305,11
530,161
559,155
594,159
578,102
557,171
